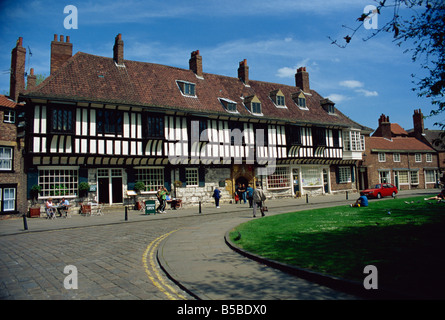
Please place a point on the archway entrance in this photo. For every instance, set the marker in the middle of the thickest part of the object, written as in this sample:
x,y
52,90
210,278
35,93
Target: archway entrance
x,y
241,173
241,181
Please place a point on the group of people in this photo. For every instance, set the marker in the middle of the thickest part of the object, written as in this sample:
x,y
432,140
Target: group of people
x,y
162,198
256,197
51,208
245,194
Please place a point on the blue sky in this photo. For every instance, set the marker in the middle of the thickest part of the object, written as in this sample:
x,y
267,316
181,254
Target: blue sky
x,y
365,79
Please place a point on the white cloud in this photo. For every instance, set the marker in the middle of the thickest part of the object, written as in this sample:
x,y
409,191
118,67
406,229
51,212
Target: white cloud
x,y
337,98
358,86
367,93
286,72
351,84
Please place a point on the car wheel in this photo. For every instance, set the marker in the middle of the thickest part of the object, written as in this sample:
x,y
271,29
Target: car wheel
x,y
393,194
379,196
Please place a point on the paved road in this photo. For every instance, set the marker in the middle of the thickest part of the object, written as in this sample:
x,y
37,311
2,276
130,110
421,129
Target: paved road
x,y
117,259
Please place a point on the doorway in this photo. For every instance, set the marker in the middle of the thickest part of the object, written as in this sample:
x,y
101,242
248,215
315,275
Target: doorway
x,y
109,182
296,182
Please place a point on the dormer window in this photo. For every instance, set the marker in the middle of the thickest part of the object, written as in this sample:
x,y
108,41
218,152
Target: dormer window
x,y
229,105
187,88
300,100
278,98
328,106
253,104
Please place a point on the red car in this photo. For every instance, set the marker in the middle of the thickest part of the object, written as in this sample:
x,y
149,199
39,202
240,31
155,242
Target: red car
x,y
380,190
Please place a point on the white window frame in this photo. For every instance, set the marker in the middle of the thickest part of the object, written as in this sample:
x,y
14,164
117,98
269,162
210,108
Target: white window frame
x,y
9,116
405,174
4,200
5,159
280,179
191,177
183,85
152,177
382,157
51,177
344,175
353,141
388,176
414,177
430,174
429,157
418,157
396,157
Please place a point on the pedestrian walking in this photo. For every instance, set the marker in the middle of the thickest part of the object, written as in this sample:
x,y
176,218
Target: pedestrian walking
x,y
243,193
258,198
249,193
217,196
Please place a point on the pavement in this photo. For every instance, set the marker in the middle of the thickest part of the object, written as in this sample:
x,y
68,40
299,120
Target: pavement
x,y
200,261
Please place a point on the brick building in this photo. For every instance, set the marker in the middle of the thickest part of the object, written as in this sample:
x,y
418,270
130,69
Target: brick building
x,y
12,176
392,156
434,138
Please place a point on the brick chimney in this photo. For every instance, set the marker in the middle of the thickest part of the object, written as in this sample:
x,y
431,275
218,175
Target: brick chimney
x,y
195,63
61,51
17,78
418,123
302,79
243,72
385,127
31,81
118,50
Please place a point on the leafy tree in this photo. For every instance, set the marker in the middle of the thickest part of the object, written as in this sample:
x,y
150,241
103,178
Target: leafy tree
x,y
421,25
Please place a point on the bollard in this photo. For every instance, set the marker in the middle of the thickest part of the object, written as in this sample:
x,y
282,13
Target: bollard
x,y
199,207
25,223
126,213
307,198
347,195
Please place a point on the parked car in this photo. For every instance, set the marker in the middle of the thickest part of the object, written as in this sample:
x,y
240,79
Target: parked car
x,y
380,190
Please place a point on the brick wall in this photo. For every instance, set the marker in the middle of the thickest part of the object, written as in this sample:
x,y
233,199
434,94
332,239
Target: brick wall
x,y
16,177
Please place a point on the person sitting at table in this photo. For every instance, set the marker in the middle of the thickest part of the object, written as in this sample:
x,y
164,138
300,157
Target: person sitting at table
x,y
63,205
50,212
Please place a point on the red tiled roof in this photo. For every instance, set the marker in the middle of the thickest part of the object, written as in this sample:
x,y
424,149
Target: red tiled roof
x,y
397,144
91,78
397,130
6,102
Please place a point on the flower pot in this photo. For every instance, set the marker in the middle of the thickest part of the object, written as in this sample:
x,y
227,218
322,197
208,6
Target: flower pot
x,y
34,212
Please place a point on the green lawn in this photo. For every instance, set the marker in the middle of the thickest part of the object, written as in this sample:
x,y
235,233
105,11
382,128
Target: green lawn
x,y
405,241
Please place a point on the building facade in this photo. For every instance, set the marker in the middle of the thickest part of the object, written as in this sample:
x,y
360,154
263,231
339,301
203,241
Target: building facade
x,y
392,156
12,177
112,122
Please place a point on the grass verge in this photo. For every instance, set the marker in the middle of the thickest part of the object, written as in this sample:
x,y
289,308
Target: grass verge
x,y
403,238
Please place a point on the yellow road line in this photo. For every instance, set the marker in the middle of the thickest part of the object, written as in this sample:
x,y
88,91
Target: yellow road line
x,y
152,270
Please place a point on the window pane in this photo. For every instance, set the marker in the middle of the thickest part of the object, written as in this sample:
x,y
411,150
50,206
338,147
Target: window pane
x,y
279,179
153,178
311,176
58,183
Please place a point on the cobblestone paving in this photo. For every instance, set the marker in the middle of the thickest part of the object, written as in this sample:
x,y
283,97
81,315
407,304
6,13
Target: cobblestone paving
x,y
108,260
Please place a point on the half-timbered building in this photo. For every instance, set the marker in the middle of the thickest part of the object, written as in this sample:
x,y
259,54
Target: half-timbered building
x,y
113,122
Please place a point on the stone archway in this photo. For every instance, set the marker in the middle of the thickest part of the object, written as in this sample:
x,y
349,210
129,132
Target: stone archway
x,y
241,172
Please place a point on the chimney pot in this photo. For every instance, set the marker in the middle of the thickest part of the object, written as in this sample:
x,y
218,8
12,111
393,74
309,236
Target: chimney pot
x,y
60,52
302,79
419,128
243,72
17,77
118,50
195,63
31,81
